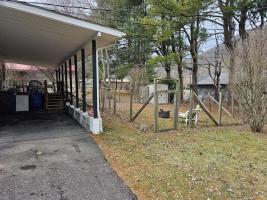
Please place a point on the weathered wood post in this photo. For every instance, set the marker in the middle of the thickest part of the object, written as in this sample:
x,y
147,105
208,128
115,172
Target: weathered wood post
x,y
109,97
115,102
176,106
220,109
115,98
233,105
209,103
103,96
103,83
156,110
191,109
204,108
109,83
142,108
131,102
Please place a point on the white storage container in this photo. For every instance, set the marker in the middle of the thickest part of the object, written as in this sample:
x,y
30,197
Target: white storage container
x,y
22,103
163,97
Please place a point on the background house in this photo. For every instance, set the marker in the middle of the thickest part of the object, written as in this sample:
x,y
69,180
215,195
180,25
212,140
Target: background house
x,y
206,86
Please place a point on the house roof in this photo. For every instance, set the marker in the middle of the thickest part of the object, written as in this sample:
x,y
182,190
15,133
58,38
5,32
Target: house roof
x,y
206,79
36,36
19,67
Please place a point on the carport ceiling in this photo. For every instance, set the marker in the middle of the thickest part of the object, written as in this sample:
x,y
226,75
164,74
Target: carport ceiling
x,y
35,36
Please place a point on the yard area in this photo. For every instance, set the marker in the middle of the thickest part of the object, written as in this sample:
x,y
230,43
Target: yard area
x,y
207,162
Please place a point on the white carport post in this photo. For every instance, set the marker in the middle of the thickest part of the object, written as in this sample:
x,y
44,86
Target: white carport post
x,y
92,123
52,44
95,121
95,79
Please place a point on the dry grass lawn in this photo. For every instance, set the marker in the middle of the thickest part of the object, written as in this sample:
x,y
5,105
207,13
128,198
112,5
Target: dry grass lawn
x,y
207,162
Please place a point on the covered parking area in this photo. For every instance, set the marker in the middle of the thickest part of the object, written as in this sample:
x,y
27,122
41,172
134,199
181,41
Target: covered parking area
x,y
51,157
47,155
36,36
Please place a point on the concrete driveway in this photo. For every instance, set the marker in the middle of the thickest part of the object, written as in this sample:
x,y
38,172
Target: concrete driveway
x,y
48,156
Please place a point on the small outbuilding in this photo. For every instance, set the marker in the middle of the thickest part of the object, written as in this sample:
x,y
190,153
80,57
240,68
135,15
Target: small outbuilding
x,y
147,91
206,86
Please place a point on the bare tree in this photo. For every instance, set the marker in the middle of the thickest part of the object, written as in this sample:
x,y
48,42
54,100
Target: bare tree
x,y
249,83
214,67
49,74
80,8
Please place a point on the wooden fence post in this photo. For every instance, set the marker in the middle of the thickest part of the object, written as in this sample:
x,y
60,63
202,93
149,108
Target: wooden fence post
x,y
209,103
202,105
109,98
131,103
176,106
142,108
103,97
115,102
191,109
223,108
156,111
220,109
233,105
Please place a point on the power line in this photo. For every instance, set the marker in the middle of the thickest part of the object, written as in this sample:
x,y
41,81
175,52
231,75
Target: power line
x,y
113,10
121,21
145,24
104,18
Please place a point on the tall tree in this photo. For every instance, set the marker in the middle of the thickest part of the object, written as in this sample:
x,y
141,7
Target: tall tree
x,y
133,51
178,25
237,16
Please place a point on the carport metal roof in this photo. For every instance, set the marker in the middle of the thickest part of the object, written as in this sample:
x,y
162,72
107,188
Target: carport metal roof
x,y
36,36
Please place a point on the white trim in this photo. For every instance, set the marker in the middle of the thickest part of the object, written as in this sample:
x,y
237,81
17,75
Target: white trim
x,y
62,18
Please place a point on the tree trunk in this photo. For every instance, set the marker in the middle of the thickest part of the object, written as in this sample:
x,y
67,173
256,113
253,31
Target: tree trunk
x,y
231,78
217,88
168,71
229,31
181,79
242,24
194,52
180,68
194,74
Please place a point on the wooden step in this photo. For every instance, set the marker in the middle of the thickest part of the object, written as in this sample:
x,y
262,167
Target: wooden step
x,y
54,102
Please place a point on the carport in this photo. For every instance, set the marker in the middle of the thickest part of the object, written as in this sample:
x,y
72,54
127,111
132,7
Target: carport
x,y
36,36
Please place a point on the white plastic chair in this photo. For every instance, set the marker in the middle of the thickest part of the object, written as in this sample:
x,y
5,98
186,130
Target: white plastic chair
x,y
185,116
